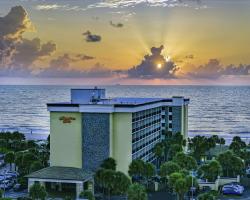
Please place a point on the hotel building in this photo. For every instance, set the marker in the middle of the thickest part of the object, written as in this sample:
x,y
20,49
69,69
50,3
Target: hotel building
x,y
91,128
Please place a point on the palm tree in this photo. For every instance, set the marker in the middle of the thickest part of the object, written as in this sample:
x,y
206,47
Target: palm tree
x,y
109,180
122,183
37,191
136,168
137,192
109,163
180,188
9,158
149,171
159,151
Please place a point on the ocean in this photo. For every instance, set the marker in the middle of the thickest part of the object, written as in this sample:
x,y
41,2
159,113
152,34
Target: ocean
x,y
222,110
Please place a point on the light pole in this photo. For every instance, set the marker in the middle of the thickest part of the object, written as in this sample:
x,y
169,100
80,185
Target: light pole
x,y
192,187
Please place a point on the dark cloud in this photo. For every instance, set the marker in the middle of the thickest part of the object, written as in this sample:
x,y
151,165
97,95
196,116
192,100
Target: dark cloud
x,y
15,23
190,56
89,37
154,66
85,57
214,70
12,26
16,53
29,51
63,66
240,70
116,25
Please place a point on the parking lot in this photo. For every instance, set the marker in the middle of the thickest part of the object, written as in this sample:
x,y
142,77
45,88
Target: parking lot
x,y
8,182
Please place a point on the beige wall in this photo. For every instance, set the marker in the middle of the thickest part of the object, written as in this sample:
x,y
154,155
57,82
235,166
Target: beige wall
x,y
122,140
65,140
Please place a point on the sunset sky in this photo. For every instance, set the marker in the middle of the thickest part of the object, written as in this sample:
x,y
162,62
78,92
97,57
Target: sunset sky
x,y
125,42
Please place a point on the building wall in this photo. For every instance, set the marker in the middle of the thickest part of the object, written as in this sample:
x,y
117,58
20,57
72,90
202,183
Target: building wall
x,y
186,121
122,140
177,119
95,139
65,139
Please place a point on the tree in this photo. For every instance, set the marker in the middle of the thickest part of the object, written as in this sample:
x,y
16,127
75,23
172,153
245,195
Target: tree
x,y
149,171
35,166
158,151
181,187
122,183
206,196
99,178
9,158
137,192
109,180
231,164
237,145
173,150
28,159
168,168
198,145
37,192
136,168
87,195
185,161
109,163
173,178
1,193
210,171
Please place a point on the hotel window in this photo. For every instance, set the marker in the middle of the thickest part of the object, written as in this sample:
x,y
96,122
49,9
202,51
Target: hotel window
x,y
170,109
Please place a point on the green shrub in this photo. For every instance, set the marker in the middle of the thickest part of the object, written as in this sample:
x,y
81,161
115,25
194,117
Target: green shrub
x,y
87,194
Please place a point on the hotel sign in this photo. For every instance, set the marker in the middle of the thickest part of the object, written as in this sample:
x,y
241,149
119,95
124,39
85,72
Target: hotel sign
x,y
66,120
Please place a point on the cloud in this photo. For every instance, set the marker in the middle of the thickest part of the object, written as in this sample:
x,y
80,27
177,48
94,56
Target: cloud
x,y
12,27
153,3
64,66
89,37
214,70
241,70
15,23
154,66
29,51
17,54
190,56
116,25
84,57
63,7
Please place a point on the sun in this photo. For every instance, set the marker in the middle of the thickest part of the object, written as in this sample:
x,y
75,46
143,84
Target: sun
x,y
159,65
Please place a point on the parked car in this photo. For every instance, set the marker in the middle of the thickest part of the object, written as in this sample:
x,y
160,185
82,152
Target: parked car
x,y
232,189
17,187
6,184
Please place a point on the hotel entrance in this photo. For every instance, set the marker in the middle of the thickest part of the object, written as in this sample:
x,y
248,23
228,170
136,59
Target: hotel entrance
x,y
61,190
63,181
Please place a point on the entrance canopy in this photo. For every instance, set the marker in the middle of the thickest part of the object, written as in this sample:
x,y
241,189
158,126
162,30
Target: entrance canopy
x,y
62,173
55,178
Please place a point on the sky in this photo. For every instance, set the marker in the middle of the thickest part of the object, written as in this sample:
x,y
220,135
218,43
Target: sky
x,y
172,42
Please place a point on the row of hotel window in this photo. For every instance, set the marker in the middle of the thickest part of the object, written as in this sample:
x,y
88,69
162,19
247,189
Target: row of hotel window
x,y
144,133
146,142
146,153
145,114
142,125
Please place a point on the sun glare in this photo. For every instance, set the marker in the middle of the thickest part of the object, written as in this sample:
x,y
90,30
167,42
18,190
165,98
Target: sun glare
x,y
159,65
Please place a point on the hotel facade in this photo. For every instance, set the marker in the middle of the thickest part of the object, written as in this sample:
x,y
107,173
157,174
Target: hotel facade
x,y
91,128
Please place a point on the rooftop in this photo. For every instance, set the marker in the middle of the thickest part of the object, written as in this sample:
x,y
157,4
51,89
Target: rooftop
x,y
61,173
121,101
